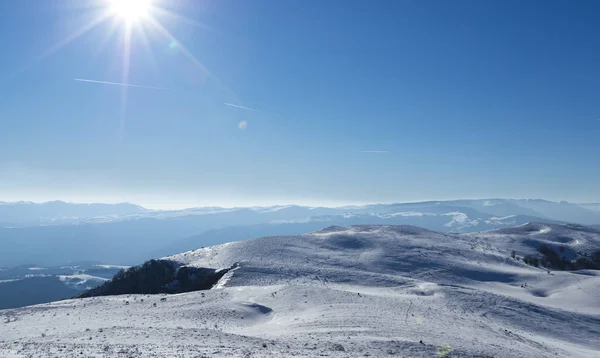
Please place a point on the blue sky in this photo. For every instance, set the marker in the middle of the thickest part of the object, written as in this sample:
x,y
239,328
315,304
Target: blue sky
x,y
462,99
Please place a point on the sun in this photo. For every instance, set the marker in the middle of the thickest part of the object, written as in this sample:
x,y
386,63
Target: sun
x,y
130,10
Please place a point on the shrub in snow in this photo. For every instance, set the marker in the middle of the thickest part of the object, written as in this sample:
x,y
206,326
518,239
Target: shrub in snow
x,y
531,260
552,259
338,347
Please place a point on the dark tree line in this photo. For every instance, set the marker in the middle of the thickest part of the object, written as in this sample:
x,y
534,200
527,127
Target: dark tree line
x,y
151,277
552,259
157,276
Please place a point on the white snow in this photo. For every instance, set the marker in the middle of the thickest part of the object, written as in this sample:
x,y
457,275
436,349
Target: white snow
x,y
271,209
84,280
340,292
526,238
409,214
460,220
112,266
496,218
10,280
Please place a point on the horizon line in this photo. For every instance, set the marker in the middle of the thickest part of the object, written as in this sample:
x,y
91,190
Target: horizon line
x,y
277,205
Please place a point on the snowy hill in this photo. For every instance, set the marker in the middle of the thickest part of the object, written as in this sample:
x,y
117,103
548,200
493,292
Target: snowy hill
x,y
365,290
572,241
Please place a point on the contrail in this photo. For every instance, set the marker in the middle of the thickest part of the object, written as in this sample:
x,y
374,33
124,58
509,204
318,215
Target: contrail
x,y
374,151
242,107
130,85
156,88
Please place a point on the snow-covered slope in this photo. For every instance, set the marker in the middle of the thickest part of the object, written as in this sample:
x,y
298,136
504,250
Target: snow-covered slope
x,y
570,240
340,292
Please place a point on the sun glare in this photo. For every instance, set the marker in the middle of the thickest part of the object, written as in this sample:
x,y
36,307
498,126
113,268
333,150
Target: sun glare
x,y
130,10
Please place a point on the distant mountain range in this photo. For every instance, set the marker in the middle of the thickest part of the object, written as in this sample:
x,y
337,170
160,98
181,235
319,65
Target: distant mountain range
x,y
58,212
126,233
29,213
591,206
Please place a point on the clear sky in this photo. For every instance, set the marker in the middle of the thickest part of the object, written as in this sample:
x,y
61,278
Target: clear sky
x,y
354,101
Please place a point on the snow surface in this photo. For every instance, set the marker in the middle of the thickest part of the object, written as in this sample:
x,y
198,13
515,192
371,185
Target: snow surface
x,y
409,213
341,292
81,280
525,239
113,266
10,280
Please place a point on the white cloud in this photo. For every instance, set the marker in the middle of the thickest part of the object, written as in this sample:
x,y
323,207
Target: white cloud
x,y
243,125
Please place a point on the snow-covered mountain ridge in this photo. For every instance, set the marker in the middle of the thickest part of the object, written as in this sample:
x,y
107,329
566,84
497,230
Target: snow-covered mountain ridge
x,y
55,233
22,214
343,291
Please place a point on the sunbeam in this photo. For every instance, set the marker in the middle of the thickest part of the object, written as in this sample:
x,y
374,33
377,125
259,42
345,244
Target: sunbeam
x,y
148,48
166,13
112,30
160,28
125,78
105,15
